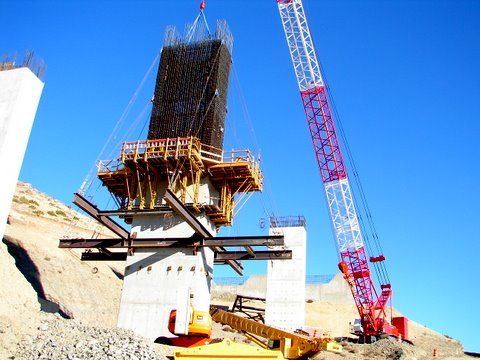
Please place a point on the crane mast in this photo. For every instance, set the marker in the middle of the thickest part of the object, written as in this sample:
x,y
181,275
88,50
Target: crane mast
x,y
343,214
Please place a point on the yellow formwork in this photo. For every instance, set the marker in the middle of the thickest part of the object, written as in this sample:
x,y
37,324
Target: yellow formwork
x,y
227,349
145,166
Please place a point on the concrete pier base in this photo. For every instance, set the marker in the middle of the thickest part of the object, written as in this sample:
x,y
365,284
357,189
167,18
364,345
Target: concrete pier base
x,y
20,92
285,300
159,281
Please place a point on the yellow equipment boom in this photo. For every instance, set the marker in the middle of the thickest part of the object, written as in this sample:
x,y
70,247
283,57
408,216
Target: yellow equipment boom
x,y
293,346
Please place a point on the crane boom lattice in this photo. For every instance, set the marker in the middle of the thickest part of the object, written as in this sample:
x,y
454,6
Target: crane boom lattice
x,y
343,214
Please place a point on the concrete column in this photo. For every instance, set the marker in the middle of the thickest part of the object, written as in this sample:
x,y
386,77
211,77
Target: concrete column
x,y
20,92
159,281
285,300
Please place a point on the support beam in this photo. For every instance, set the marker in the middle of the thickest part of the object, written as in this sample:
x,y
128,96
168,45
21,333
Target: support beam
x,y
224,241
220,257
262,240
235,265
249,250
203,237
103,256
259,255
90,243
120,244
133,212
94,212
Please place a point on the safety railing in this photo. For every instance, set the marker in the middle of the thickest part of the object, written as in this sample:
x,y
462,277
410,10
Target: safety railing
x,y
287,221
238,156
171,147
104,166
211,153
175,148
235,156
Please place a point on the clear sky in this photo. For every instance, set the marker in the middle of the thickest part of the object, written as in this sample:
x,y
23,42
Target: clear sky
x,y
406,79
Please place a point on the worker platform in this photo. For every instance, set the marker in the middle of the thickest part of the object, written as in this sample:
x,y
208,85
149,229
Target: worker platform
x,y
136,178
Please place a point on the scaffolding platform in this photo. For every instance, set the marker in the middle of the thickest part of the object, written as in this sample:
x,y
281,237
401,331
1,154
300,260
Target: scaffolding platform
x,y
240,169
143,167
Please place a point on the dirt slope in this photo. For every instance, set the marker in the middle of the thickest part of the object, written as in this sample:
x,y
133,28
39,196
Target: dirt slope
x,y
37,222
51,279
18,303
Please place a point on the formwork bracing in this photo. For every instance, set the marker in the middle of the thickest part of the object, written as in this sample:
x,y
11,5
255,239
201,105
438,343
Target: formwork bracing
x,y
136,176
191,89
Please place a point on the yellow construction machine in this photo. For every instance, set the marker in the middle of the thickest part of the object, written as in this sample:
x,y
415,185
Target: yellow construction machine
x,y
291,345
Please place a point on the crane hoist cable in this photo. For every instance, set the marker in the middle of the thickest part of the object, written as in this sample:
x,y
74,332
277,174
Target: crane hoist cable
x,y
87,182
266,196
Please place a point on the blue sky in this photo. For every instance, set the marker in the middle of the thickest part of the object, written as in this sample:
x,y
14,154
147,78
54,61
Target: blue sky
x,y
406,79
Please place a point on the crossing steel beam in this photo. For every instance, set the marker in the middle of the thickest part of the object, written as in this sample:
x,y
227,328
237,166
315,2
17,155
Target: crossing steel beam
x,y
174,202
94,212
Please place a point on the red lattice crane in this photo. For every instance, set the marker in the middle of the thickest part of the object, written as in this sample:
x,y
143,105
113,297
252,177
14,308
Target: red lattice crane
x,y
354,263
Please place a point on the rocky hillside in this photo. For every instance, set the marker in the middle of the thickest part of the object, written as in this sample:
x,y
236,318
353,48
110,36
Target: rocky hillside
x,y
54,306
58,276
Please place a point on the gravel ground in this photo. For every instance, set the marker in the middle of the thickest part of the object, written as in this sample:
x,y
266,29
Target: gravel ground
x,y
57,338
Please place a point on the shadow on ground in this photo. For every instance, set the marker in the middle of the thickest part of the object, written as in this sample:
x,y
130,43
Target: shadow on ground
x,y
29,270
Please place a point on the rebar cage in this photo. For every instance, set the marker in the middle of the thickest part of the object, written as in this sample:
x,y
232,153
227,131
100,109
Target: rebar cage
x,y
190,96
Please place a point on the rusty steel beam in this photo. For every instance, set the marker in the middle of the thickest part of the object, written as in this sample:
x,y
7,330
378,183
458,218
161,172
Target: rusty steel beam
x,y
249,250
202,237
174,202
121,244
224,241
94,212
120,212
259,255
220,257
103,256
235,265
91,243
272,240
